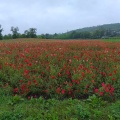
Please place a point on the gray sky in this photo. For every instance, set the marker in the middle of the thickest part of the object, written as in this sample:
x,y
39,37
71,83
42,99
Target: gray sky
x,y
57,16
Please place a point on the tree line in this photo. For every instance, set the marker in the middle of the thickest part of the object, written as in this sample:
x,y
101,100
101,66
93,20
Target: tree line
x,y
97,34
31,33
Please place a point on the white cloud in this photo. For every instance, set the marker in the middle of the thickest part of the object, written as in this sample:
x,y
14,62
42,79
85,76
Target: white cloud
x,y
50,16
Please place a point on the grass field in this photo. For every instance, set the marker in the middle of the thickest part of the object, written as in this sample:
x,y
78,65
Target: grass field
x,y
112,40
59,80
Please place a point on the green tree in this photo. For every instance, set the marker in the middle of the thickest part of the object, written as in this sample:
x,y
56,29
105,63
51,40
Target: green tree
x,y
1,29
15,32
9,36
27,34
31,33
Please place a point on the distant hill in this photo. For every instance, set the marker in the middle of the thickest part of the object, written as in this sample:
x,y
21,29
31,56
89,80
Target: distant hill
x,y
114,27
95,32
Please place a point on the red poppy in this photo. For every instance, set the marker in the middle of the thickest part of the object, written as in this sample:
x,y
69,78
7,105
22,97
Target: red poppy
x,y
15,90
53,77
93,81
26,72
112,89
29,97
113,79
101,93
29,83
83,74
110,74
115,71
103,84
21,81
63,91
58,90
96,90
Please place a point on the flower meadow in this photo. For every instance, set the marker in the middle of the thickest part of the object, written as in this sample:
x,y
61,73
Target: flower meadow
x,y
60,69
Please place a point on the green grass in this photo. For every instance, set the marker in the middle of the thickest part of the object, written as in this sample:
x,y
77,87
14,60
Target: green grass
x,y
111,40
17,108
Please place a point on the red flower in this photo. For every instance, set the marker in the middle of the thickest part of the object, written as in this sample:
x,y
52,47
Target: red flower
x,y
85,91
58,90
29,97
23,87
29,83
43,73
101,93
113,79
77,82
96,90
71,84
26,60
59,74
83,74
34,81
29,64
115,71
46,91
93,76
27,90
21,81
69,93
87,86
0,67
53,77
110,74
63,91
26,72
35,96
93,81
112,89
73,81
103,84
15,90
107,89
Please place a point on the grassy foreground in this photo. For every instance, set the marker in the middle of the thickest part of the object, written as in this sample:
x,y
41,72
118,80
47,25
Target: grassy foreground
x,y
59,80
17,108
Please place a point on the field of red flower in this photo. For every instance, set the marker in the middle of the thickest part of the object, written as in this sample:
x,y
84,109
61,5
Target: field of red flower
x,y
60,69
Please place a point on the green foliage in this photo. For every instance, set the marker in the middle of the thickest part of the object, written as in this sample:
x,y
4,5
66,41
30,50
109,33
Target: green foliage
x,y
82,113
11,116
95,101
96,32
1,36
115,110
14,32
112,39
52,109
6,37
115,27
31,33
16,99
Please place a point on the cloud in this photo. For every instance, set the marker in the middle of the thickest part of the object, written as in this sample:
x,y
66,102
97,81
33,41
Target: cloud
x,y
57,16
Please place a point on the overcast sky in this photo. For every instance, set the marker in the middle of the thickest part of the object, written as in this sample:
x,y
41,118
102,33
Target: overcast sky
x,y
57,16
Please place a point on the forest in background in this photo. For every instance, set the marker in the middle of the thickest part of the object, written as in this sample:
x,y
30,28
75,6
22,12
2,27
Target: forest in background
x,y
95,32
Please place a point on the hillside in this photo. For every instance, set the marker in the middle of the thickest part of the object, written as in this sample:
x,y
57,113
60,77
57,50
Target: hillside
x,y
114,27
95,32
